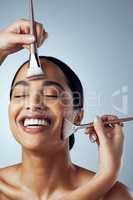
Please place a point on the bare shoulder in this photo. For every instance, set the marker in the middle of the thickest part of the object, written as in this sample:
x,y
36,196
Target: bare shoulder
x,y
9,174
119,191
9,170
83,175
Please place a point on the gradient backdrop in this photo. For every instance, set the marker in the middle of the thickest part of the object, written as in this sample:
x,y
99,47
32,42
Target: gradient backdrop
x,y
94,37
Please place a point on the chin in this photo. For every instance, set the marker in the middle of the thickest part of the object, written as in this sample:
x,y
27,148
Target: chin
x,y
43,141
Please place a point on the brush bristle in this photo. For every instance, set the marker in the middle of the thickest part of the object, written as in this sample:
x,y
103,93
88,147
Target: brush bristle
x,y
34,69
68,128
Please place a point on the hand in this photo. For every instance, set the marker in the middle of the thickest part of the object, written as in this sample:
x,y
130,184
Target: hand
x,y
110,143
17,36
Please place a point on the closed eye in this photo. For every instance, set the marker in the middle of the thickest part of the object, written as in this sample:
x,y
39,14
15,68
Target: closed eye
x,y
20,96
53,96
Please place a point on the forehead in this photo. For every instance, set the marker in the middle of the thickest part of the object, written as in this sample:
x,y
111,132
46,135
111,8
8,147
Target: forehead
x,y
53,73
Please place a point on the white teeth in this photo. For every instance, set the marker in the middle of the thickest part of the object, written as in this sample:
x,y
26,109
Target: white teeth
x,y
35,122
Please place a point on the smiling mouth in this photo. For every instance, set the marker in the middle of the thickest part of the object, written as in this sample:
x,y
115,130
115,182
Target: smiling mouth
x,y
34,125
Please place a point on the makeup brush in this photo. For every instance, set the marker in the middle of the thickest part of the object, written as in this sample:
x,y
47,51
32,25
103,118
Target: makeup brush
x,y
69,128
35,71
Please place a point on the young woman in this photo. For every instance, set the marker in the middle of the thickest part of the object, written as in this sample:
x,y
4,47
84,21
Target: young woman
x,y
36,113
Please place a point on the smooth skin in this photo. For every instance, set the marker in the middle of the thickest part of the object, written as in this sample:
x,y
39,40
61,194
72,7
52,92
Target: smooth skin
x,y
46,171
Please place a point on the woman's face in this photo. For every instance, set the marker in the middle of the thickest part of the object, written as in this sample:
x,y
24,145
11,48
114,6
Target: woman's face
x,y
38,107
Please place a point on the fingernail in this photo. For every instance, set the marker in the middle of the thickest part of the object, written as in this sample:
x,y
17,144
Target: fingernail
x,y
31,38
93,138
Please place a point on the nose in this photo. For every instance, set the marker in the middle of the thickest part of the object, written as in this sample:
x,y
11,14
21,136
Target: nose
x,y
35,103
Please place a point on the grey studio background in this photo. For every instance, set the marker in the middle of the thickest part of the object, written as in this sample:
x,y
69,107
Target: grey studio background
x,y
94,37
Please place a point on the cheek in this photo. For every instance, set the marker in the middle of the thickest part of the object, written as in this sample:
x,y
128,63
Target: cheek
x,y
67,106
13,111
62,111
67,109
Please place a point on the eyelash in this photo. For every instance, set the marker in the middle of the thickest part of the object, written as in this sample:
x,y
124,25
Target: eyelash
x,y
20,96
54,96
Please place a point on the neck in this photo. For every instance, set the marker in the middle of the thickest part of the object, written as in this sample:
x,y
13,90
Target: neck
x,y
44,173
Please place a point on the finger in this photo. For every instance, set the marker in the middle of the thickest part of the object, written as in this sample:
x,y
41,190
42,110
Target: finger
x,y
100,129
115,132
21,38
44,36
92,134
23,24
40,36
18,25
89,130
26,47
106,118
93,137
26,30
121,124
118,135
39,29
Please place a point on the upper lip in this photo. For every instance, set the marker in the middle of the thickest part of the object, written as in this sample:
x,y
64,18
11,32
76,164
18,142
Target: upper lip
x,y
44,117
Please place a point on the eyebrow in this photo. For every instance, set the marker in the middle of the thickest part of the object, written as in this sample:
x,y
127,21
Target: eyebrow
x,y
49,83
24,83
45,83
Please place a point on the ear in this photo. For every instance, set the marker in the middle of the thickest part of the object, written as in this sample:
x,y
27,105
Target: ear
x,y
78,116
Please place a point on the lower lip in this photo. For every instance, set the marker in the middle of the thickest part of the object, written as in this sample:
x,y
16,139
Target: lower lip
x,y
37,130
